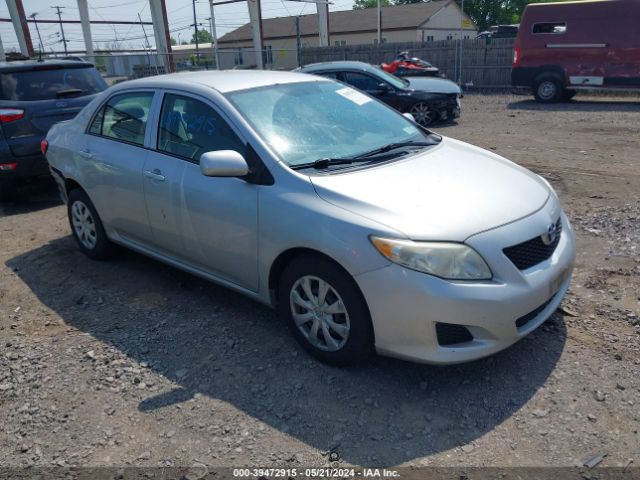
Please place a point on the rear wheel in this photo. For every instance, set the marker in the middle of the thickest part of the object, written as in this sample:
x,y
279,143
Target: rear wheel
x,y
423,114
325,311
86,226
548,88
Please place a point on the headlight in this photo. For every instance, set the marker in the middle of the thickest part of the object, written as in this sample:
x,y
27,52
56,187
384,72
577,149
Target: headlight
x,y
452,261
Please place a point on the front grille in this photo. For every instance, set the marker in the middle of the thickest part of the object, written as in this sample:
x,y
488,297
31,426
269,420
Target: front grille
x,y
451,334
532,252
522,321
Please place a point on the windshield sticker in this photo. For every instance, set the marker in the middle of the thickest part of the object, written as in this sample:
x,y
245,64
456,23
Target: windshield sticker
x,y
353,95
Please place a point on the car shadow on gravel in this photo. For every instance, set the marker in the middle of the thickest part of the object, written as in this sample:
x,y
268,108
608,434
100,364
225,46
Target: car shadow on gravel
x,y
211,341
579,105
30,197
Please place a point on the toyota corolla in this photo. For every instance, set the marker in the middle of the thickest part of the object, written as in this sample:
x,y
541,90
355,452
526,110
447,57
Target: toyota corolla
x,y
367,232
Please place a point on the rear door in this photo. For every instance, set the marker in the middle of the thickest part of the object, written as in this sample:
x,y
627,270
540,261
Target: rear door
x,y
112,160
209,223
32,100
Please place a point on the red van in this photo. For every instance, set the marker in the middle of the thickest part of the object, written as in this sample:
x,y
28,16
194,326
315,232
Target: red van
x,y
570,46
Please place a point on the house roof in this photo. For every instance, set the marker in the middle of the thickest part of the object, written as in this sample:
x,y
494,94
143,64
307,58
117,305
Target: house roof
x,y
347,21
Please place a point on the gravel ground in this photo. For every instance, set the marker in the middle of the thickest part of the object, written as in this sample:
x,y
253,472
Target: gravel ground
x,y
132,363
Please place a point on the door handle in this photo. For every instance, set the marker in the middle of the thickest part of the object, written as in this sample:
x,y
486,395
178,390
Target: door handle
x,y
155,175
85,153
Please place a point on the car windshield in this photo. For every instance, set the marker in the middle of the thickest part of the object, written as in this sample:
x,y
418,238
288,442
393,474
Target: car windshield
x,y
308,121
392,79
46,83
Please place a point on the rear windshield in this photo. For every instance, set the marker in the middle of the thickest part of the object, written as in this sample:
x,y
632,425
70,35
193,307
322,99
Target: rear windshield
x,y
49,84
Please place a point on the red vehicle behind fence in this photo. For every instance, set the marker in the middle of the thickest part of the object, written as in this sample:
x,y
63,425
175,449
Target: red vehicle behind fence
x,y
570,46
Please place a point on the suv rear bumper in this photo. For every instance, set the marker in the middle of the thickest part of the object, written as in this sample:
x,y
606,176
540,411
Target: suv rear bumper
x,y
26,167
523,76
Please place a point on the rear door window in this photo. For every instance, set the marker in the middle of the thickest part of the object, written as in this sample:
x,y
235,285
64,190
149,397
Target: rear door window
x,y
124,117
189,128
46,83
550,27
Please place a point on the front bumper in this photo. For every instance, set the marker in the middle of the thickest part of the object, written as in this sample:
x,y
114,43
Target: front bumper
x,y
406,305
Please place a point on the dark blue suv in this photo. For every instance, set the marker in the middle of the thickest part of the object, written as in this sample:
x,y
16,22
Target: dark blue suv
x,y
33,96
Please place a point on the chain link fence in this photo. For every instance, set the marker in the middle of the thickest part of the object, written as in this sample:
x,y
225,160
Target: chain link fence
x,y
476,63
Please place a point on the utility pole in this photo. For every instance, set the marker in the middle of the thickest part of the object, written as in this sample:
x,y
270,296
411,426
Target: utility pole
x,y
461,32
298,43
33,15
214,36
195,26
379,15
147,45
64,40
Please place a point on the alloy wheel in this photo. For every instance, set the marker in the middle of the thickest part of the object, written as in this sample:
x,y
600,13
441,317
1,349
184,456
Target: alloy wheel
x,y
423,114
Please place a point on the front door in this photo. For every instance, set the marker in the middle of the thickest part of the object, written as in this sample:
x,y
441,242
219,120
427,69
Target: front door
x,y
210,223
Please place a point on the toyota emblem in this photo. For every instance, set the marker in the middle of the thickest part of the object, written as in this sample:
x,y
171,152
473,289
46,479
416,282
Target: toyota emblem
x,y
550,236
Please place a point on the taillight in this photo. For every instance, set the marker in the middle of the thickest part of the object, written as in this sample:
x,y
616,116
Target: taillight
x,y
10,114
44,146
8,167
516,55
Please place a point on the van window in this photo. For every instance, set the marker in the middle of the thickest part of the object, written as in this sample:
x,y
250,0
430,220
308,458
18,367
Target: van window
x,y
550,27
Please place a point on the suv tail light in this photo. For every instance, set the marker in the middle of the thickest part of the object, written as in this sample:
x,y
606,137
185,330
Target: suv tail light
x,y
10,114
516,55
44,146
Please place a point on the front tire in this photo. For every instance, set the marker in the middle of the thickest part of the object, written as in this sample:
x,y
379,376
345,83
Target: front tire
x,y
325,311
548,88
423,114
86,226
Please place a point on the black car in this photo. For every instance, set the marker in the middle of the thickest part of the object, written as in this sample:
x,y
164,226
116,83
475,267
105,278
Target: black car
x,y
33,96
428,99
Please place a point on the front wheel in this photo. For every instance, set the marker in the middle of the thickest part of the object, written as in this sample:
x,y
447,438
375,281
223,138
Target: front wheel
x,y
325,311
86,226
423,114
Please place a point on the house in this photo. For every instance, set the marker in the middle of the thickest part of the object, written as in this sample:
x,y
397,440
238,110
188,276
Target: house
x,y
417,22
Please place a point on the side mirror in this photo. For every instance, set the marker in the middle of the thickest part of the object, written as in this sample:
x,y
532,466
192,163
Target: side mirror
x,y
223,163
408,116
383,87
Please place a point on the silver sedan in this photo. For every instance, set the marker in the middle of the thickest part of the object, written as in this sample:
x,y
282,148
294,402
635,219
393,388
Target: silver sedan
x,y
367,232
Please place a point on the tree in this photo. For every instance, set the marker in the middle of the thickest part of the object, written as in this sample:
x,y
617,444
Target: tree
x,y
362,4
495,12
173,41
203,37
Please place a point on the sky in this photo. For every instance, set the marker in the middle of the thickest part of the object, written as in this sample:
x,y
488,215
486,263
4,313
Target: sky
x,y
179,13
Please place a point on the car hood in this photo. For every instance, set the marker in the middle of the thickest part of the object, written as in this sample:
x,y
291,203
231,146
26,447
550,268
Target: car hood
x,y
448,192
433,85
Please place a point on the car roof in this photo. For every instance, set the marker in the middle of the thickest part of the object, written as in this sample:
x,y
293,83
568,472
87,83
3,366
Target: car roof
x,y
30,65
340,65
222,80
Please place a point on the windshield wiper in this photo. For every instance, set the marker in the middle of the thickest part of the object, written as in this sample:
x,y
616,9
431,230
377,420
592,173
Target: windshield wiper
x,y
68,92
394,146
327,162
